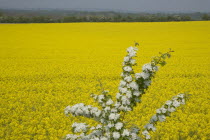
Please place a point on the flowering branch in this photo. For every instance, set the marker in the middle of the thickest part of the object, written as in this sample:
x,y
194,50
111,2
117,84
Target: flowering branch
x,y
161,113
132,87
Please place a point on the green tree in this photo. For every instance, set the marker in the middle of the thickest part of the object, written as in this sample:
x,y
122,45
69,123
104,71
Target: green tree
x,y
205,17
22,19
70,19
9,19
117,18
41,19
186,18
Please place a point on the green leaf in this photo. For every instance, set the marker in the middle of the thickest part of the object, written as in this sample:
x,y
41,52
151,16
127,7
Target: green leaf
x,y
163,63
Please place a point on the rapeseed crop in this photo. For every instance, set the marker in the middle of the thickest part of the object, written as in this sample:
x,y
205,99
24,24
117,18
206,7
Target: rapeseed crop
x,y
45,67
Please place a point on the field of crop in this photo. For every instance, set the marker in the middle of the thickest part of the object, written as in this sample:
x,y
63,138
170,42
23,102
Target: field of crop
x,y
45,67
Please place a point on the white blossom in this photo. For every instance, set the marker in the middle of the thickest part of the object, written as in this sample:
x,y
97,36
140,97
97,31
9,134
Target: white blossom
x,y
125,133
182,101
128,78
127,68
118,95
93,110
134,136
109,102
171,109
147,67
134,130
161,118
134,85
118,125
92,128
113,110
154,118
147,82
126,108
122,83
71,136
79,127
155,68
136,93
98,126
106,109
104,138
95,138
150,127
176,103
145,75
132,51
123,90
114,116
129,94
122,108
148,137
163,110
122,74
117,104
138,75
108,134
126,59
169,102
133,61
100,98
102,120
98,113
158,111
67,109
125,100
116,135
145,132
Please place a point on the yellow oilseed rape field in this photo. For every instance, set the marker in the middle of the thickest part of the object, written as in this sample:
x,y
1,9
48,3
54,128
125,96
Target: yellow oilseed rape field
x,y
46,67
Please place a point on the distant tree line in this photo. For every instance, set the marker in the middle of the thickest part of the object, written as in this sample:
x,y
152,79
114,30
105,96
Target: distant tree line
x,y
44,19
96,18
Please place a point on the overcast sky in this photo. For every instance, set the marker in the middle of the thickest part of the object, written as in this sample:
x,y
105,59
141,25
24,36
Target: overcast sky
x,y
129,5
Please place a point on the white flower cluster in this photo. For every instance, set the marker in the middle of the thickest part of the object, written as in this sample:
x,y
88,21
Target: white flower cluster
x,y
161,113
128,88
132,87
148,71
83,110
79,127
